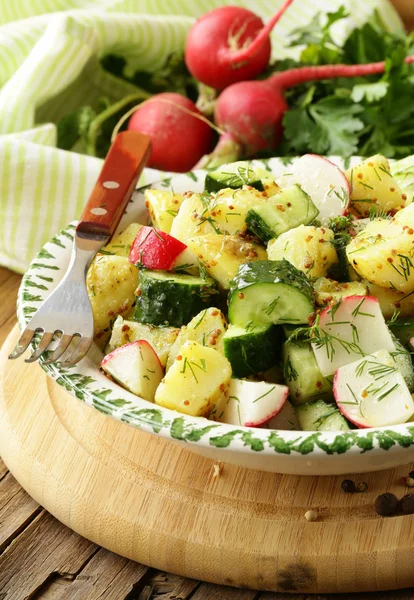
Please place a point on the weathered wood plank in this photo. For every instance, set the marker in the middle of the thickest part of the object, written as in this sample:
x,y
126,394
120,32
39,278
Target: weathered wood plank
x,y
45,547
183,589
210,591
167,586
105,576
17,509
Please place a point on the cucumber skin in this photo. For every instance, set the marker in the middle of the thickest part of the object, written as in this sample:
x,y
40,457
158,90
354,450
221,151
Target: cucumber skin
x,y
271,271
403,329
284,222
253,352
258,226
212,185
170,303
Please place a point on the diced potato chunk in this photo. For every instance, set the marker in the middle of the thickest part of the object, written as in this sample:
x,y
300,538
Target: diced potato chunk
x,y
160,338
327,290
224,212
223,254
163,206
392,301
372,185
121,243
195,382
111,283
193,218
383,253
206,328
230,207
309,249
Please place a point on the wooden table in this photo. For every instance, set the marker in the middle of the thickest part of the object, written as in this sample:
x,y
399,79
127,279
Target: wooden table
x,y
53,562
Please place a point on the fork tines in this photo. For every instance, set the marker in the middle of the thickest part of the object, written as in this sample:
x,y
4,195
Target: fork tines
x,y
74,355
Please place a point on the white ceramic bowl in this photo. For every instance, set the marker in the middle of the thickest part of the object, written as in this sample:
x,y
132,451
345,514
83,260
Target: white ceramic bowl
x,y
281,451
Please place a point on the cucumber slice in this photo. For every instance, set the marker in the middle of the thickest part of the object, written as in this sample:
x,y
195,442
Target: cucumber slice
x,y
251,350
404,363
290,208
265,292
302,374
321,416
165,298
234,176
403,329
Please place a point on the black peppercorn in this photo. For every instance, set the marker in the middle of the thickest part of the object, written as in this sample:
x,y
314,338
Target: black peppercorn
x,y
386,504
411,474
407,504
348,486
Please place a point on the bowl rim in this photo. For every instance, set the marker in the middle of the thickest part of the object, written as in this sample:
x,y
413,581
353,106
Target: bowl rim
x,y
85,382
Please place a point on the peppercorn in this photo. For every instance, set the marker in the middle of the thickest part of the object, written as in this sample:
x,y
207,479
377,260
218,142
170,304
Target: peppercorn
x,y
386,504
411,474
362,487
311,515
407,504
409,482
348,486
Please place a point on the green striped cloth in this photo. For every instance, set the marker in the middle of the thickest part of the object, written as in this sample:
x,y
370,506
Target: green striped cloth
x,y
49,66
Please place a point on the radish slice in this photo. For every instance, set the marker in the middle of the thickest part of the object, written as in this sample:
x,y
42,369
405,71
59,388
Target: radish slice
x,y
136,367
371,392
154,249
350,329
325,183
251,403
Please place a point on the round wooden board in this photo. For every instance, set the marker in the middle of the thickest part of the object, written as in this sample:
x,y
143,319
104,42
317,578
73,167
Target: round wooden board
x,y
156,502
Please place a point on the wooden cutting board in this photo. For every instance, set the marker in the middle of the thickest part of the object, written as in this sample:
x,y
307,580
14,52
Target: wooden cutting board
x,y
156,502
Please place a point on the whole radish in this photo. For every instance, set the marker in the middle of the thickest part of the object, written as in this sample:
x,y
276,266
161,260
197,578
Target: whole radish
x,y
251,112
179,137
229,44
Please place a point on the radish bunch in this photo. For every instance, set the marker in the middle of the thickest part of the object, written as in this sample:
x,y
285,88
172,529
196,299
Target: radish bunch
x,y
227,49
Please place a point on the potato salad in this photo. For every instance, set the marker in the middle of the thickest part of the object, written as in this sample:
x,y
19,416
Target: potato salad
x,y
284,303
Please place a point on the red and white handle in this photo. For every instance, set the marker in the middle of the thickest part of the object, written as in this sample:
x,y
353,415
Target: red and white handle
x,y
123,165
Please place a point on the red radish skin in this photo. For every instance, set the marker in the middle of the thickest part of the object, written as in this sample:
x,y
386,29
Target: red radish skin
x,y
155,249
229,44
251,112
136,367
122,349
268,417
178,139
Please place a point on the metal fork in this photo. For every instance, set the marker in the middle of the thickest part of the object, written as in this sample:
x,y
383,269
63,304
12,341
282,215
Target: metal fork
x,y
67,312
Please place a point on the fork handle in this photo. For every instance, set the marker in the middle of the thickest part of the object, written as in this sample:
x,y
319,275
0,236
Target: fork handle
x,y
123,165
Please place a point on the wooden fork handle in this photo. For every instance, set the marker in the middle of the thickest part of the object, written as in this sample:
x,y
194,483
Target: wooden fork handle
x,y
123,165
